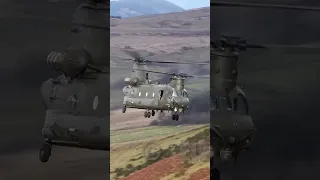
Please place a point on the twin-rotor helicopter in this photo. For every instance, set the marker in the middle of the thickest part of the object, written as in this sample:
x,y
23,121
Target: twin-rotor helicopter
x,y
232,127
151,95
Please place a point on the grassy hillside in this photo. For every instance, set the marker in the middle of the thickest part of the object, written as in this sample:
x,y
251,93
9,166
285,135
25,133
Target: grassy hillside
x,y
129,157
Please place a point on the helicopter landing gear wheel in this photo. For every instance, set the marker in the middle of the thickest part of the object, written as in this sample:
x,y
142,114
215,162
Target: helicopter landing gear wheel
x,y
153,112
145,114
124,108
149,114
175,117
45,152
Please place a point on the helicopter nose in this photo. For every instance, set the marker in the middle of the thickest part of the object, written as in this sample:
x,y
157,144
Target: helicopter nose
x,y
181,102
235,129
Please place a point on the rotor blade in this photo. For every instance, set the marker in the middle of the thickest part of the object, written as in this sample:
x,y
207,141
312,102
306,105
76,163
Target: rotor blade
x,y
202,77
183,74
166,62
174,62
133,54
290,46
266,46
172,74
257,5
170,62
196,82
154,72
127,59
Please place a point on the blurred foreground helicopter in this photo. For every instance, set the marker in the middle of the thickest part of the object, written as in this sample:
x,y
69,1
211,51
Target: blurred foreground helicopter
x,y
77,102
232,127
143,93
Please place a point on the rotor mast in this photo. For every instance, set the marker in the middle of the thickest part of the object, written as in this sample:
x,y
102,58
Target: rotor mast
x,y
177,83
140,71
224,61
224,53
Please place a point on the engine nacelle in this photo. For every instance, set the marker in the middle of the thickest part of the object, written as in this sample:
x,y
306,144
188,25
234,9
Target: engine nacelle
x,y
72,62
131,81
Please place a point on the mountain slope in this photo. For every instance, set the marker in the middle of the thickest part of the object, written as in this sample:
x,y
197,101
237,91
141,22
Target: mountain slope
x,y
129,8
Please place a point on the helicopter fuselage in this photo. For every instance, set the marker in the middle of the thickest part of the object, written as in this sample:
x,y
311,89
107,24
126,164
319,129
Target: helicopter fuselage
x,y
75,111
231,123
154,97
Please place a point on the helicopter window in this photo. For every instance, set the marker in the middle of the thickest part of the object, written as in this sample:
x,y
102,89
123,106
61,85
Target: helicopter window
x,y
139,93
223,103
174,93
146,94
241,104
228,104
169,93
185,94
161,94
152,94
215,104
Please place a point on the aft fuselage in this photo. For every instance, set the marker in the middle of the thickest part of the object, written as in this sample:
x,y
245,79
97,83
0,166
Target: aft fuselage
x,y
231,123
154,97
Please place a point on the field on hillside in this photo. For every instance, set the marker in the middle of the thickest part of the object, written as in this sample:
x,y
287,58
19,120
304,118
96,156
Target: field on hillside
x,y
130,151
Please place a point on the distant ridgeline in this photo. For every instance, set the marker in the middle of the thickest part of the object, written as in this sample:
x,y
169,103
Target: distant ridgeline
x,y
133,8
115,17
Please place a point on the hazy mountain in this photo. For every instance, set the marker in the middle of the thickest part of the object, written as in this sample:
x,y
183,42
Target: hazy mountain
x,y
131,8
185,4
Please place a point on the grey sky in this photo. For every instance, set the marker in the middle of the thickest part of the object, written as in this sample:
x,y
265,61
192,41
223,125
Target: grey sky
x,y
191,4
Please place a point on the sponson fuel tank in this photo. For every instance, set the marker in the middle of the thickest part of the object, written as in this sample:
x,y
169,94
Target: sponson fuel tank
x,y
83,96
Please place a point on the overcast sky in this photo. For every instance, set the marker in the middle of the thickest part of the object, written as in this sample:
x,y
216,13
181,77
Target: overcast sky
x,y
189,4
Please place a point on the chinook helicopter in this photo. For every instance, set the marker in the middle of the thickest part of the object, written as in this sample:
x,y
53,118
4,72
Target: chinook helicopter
x,y
76,101
143,93
232,127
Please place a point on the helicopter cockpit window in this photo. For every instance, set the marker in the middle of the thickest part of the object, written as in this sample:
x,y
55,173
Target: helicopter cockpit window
x,y
240,104
215,104
222,103
225,103
174,93
129,91
169,93
185,94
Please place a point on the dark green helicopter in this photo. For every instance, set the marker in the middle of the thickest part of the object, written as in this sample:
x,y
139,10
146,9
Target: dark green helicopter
x,y
232,127
77,102
141,92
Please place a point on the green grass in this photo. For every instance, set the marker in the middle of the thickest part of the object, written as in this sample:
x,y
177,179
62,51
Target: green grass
x,y
120,136
121,155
